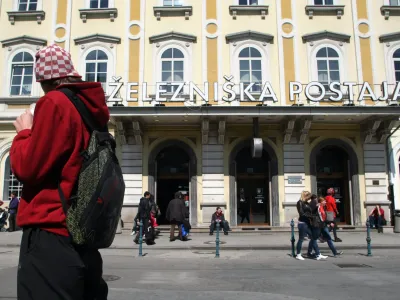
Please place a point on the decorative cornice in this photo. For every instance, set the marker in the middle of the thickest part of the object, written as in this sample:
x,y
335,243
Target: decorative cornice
x,y
24,39
325,10
248,10
249,35
390,37
37,15
97,38
317,36
173,36
98,13
172,11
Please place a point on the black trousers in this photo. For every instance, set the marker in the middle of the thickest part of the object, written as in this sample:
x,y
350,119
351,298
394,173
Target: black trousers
x,y
224,225
50,267
12,222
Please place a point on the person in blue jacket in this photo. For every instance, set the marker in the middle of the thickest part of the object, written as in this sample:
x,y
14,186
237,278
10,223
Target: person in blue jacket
x,y
13,208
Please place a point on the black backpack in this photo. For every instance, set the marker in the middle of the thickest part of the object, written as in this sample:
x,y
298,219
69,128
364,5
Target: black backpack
x,y
97,199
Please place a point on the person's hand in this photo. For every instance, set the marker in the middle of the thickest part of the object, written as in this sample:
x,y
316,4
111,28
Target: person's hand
x,y
24,121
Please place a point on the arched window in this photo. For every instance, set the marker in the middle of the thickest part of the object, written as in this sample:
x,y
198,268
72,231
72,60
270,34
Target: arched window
x,y
250,68
11,183
21,74
96,67
328,66
396,61
172,68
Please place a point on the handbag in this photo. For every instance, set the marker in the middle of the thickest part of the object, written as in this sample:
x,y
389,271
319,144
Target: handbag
x,y
330,216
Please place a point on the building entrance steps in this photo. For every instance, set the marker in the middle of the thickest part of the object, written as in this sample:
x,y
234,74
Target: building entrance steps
x,y
250,241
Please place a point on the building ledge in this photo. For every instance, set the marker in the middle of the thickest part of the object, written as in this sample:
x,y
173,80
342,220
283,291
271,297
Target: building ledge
x,y
18,100
317,36
325,10
24,39
168,96
97,38
390,37
390,10
173,36
249,35
98,13
173,11
248,10
37,15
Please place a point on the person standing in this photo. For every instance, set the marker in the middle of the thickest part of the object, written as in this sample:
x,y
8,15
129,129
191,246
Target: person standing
x,y
13,208
176,214
144,215
46,157
332,212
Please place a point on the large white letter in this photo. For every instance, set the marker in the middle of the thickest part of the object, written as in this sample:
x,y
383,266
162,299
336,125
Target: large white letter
x,y
116,90
336,91
350,86
366,87
180,86
294,92
311,85
227,88
385,92
246,91
216,92
159,91
268,92
144,93
396,92
129,91
193,88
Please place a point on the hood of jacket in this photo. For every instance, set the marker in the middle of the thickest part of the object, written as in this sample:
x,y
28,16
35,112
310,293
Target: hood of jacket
x,y
92,95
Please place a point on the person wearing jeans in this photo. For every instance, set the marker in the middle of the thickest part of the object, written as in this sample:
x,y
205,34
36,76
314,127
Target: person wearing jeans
x,y
305,215
377,218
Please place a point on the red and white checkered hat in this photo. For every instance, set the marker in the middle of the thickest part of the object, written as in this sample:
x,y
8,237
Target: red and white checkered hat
x,y
54,62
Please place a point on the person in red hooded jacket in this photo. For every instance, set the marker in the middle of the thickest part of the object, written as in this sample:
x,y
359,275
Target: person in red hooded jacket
x,y
332,209
45,153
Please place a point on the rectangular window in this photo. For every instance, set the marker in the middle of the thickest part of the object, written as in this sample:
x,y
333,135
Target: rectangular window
x,y
323,2
98,4
394,3
27,5
173,2
248,2
21,80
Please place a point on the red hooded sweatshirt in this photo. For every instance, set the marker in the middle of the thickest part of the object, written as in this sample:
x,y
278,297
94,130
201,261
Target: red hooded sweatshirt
x,y
331,204
50,152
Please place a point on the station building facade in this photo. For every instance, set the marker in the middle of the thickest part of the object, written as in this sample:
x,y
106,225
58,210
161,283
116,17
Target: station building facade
x,y
200,140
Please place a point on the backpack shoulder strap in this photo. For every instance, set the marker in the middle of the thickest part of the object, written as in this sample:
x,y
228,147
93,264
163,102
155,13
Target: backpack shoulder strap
x,y
86,116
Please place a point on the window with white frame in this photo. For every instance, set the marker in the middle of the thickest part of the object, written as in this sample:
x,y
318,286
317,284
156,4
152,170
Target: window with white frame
x,y
21,74
328,66
11,183
396,61
323,2
96,67
173,2
250,61
394,2
27,5
172,68
248,2
99,4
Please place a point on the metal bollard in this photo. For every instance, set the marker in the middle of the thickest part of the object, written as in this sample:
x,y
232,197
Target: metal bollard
x,y
293,240
217,242
140,238
369,238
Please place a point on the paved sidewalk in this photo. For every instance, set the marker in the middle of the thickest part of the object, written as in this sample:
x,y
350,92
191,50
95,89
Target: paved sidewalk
x,y
250,241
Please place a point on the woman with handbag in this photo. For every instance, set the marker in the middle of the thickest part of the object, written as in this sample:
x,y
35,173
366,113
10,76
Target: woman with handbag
x,y
306,227
332,211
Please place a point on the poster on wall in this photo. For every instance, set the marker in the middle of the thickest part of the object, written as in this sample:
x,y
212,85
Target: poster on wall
x,y
260,196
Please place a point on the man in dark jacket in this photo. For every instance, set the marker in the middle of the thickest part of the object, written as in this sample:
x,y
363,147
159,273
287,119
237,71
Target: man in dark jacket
x,y
13,208
176,214
45,163
218,217
144,216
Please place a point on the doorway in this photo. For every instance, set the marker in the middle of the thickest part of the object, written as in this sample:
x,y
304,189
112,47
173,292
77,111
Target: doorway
x,y
172,175
252,188
332,163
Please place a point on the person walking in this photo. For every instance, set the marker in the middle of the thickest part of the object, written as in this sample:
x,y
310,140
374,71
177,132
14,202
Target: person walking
x,y
176,214
332,212
13,208
46,157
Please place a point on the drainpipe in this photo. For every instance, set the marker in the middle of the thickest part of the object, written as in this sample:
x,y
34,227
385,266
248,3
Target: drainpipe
x,y
389,171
